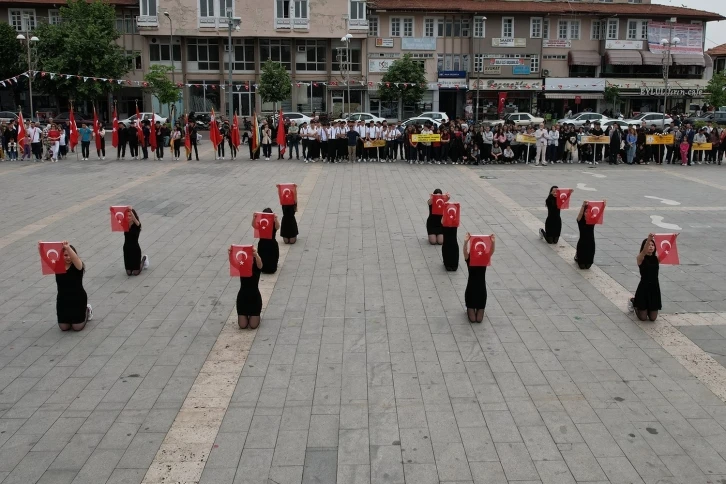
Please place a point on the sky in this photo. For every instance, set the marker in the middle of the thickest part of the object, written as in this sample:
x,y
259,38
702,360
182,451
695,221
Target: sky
x,y
715,31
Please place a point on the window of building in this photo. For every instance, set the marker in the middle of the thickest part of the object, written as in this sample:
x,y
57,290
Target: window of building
x,y
401,27
465,28
373,26
243,57
612,29
597,32
301,9
478,63
568,29
479,26
204,53
148,8
606,1
507,27
310,55
282,9
408,27
206,8
583,71
125,24
54,17
546,28
223,6
534,63
340,51
637,29
357,10
134,59
429,27
555,57
160,52
277,50
635,1
395,27
22,20
535,27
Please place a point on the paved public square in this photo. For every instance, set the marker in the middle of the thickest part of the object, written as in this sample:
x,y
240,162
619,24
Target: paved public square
x,y
365,368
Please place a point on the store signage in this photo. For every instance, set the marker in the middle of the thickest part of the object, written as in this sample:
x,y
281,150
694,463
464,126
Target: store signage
x,y
557,43
661,91
624,44
506,84
583,84
506,62
452,74
509,42
491,70
521,70
381,42
452,83
378,65
418,43
384,55
690,36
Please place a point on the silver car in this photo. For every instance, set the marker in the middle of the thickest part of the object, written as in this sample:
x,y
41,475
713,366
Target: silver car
x,y
583,119
650,119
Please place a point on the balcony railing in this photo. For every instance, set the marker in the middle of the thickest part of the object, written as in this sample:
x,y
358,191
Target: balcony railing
x,y
147,21
358,24
292,23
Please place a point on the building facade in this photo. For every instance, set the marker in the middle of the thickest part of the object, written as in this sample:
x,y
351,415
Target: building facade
x,y
540,56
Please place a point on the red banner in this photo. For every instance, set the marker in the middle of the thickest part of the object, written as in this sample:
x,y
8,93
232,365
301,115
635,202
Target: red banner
x,y
281,138
502,100
187,135
665,246
452,214
235,132
594,213
255,135
287,193
51,258
21,131
264,225
213,131
241,259
437,203
96,130
73,128
480,250
139,129
114,136
119,218
152,134
563,198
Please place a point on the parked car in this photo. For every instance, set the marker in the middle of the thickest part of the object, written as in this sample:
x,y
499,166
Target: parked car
x,y
518,119
78,116
420,121
437,115
127,122
692,120
583,119
623,124
299,118
7,116
719,117
650,119
365,117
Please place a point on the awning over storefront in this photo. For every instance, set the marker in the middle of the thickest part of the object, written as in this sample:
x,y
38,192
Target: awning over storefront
x,y
651,59
624,58
689,59
584,58
573,95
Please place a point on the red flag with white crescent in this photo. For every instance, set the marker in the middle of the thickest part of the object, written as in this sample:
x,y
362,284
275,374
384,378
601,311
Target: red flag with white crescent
x,y
264,224
666,248
502,100
73,129
119,218
281,139
235,132
152,134
51,258
287,193
21,131
563,198
114,136
437,203
241,259
187,135
594,213
96,130
452,214
139,129
213,130
480,250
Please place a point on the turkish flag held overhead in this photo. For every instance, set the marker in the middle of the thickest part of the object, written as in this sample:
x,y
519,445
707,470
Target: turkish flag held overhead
x,y
666,248
51,258
264,224
287,193
594,213
480,250
241,259
437,204
73,127
114,136
21,131
119,218
452,214
563,198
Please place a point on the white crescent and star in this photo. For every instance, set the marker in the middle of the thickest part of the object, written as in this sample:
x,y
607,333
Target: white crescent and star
x,y
119,216
483,249
451,209
595,211
237,257
264,223
440,202
54,252
666,246
286,193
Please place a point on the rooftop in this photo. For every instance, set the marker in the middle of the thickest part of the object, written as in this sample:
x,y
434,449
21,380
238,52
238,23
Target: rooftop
x,y
544,7
719,50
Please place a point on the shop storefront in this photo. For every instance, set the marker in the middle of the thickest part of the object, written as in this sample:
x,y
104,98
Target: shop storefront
x,y
519,96
646,95
576,94
452,92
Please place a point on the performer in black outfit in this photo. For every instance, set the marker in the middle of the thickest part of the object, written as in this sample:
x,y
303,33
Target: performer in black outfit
x,y
553,222
450,248
585,254
146,132
133,260
122,140
72,305
249,299
193,139
132,136
268,249
433,223
647,302
475,296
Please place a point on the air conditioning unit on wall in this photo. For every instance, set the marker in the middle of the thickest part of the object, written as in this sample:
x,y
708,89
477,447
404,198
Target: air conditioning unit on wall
x,y
546,73
301,48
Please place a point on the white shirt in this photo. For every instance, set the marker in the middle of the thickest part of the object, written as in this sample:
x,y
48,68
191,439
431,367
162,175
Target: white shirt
x,y
542,136
323,133
34,134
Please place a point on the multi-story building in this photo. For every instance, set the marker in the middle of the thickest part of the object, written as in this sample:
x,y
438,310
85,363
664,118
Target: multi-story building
x,y
718,56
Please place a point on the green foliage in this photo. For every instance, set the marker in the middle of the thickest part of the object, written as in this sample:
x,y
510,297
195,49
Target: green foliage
x,y
699,124
161,86
612,95
274,82
715,94
404,71
12,52
83,43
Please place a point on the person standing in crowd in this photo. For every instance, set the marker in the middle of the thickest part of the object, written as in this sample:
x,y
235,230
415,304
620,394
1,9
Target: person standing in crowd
x,y
36,141
122,141
488,141
647,301
616,138
699,137
72,308
585,253
146,137
266,140
268,249
597,131
475,295
353,137
176,142
689,134
85,134
159,133
26,146
553,222
323,136
192,133
293,140
433,222
54,138
230,141
101,150
631,140
553,143
134,261
133,140
541,136
249,299
715,139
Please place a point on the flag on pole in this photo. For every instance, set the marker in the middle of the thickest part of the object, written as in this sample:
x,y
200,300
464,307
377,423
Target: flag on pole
x,y
187,134
152,136
73,129
281,139
139,130
114,136
96,130
21,131
235,131
255,135
213,130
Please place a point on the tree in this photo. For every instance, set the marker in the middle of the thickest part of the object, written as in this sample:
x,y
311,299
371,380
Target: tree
x,y
275,83
405,80
84,44
14,55
161,86
612,96
715,94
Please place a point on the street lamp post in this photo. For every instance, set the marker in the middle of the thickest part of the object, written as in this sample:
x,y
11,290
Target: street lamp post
x,y
668,44
346,38
171,53
481,64
28,40
232,23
